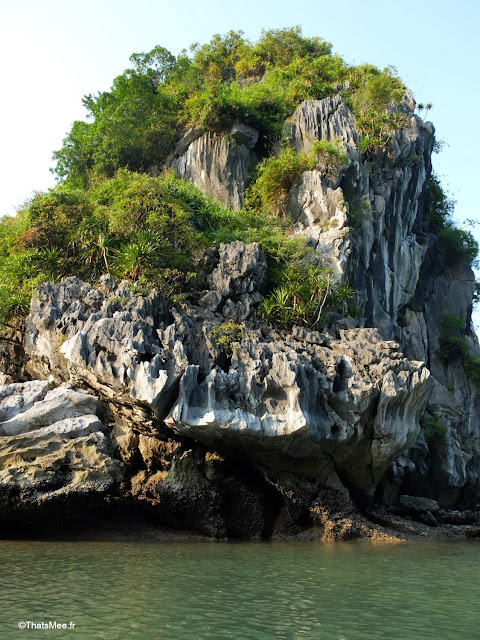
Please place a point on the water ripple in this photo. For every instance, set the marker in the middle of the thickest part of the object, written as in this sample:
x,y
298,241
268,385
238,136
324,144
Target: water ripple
x,y
263,591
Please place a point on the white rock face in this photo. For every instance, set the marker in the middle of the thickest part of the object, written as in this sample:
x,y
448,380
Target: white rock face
x,y
328,119
18,397
53,442
119,352
310,407
320,216
59,404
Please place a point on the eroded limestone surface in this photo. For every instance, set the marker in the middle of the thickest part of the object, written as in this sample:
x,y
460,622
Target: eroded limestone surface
x,y
216,164
53,449
340,404
282,429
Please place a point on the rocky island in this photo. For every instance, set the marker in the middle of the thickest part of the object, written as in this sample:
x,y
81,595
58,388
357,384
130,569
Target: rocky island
x,y
244,311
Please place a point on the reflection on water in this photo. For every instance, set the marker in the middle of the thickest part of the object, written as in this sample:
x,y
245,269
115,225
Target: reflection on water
x,y
261,591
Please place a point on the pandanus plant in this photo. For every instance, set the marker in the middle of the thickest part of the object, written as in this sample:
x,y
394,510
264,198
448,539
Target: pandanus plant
x,y
138,256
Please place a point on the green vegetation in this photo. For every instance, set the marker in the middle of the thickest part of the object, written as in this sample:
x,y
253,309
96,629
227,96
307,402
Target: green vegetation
x,y
135,125
276,174
151,230
225,335
438,206
306,292
376,106
472,368
358,210
434,432
459,246
476,293
454,347
109,214
424,107
329,157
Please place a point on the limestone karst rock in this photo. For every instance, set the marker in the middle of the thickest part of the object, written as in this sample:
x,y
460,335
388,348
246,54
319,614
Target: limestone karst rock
x,y
216,164
321,405
279,420
55,455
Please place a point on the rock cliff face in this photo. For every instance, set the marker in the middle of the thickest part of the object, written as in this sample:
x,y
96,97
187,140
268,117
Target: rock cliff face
x,y
368,220
372,224
266,432
218,165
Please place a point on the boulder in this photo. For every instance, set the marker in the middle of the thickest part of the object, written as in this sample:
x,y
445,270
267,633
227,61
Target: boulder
x,y
417,503
345,409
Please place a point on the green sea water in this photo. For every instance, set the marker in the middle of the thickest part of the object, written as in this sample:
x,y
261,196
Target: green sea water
x,y
261,591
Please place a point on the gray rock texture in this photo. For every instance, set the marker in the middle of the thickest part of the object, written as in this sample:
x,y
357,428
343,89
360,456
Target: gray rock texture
x,y
338,407
241,269
220,423
54,451
309,408
217,164
327,119
370,224
367,221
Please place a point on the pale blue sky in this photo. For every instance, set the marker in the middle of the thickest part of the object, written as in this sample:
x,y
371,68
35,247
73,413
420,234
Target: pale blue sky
x,y
55,51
